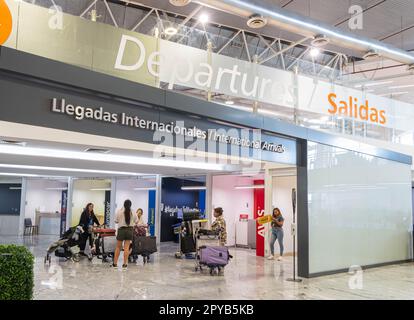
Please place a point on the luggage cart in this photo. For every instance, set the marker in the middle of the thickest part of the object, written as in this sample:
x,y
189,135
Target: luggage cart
x,y
206,239
186,236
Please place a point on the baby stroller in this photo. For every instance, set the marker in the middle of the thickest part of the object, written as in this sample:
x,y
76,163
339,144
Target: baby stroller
x,y
67,246
142,244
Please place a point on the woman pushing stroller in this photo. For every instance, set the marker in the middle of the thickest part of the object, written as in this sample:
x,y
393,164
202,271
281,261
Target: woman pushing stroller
x,y
87,220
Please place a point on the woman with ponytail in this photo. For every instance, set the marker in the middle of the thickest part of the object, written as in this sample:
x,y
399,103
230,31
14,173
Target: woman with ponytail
x,y
125,219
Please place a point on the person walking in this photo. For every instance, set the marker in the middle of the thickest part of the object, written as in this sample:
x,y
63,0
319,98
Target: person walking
x,y
87,220
276,234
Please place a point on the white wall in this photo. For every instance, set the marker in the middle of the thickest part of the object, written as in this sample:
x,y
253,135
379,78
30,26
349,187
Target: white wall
x,y
41,199
282,199
234,202
139,198
82,195
37,197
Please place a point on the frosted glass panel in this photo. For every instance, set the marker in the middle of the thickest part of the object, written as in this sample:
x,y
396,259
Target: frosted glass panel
x,y
360,209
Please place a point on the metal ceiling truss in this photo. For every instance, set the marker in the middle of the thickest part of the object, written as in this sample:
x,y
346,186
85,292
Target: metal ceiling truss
x,y
253,47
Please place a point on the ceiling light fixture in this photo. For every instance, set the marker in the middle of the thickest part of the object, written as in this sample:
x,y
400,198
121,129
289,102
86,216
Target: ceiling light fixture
x,y
15,188
109,172
145,189
229,102
314,52
256,21
111,158
57,189
255,186
188,188
171,31
180,3
18,174
204,18
370,55
100,189
320,40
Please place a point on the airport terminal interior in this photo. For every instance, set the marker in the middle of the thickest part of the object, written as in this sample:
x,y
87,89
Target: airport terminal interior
x,y
265,148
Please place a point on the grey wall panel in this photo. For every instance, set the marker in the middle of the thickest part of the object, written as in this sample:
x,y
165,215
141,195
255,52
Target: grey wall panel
x,y
9,225
42,68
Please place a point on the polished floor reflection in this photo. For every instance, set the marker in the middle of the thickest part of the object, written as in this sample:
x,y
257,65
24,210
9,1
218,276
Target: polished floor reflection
x,y
165,277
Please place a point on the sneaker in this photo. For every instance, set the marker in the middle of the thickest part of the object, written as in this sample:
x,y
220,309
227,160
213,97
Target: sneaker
x,y
113,265
280,258
270,257
124,266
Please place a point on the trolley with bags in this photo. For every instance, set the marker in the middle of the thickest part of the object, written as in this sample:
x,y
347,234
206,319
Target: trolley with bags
x,y
142,244
104,243
210,253
186,231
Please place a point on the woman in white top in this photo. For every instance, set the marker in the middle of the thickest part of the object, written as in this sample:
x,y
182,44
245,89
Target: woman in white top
x,y
140,214
126,219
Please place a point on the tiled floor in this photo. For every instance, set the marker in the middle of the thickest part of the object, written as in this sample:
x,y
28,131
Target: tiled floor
x,y
246,277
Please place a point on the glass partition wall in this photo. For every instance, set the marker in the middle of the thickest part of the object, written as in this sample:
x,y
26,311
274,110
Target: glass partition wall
x,y
359,209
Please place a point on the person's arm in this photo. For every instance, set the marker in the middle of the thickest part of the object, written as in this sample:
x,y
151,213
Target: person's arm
x,y
83,220
280,222
116,217
95,220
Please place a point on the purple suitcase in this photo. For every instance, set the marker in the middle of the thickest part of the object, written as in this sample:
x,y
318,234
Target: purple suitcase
x,y
214,256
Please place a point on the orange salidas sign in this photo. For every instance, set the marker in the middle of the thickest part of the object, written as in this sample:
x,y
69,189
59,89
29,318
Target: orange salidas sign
x,y
5,22
356,109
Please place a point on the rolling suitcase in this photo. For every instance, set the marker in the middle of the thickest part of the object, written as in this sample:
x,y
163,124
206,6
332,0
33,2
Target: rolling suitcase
x,y
215,258
144,246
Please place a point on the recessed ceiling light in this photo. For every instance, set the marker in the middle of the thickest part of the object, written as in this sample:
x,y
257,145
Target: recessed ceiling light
x,y
171,31
314,52
203,18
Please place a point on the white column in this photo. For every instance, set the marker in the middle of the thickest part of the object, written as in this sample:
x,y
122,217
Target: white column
x,y
23,207
69,206
268,207
113,202
158,208
209,197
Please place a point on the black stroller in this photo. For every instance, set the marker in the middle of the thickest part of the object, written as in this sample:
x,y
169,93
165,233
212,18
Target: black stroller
x,y
67,246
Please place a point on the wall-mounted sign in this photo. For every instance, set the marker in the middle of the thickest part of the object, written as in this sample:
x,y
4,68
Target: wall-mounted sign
x,y
79,112
176,64
6,22
149,60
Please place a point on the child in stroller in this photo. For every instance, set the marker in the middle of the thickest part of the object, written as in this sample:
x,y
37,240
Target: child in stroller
x,y
67,246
